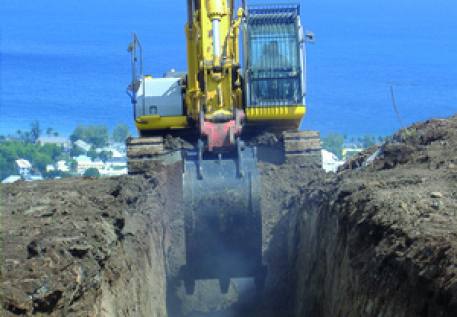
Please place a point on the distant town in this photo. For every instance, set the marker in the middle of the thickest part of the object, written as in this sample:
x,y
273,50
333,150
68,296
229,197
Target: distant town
x,y
92,151
39,154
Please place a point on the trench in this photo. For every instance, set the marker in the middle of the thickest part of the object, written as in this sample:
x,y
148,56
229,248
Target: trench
x,y
281,207
325,257
327,254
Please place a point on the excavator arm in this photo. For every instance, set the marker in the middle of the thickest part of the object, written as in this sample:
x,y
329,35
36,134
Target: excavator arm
x,y
214,92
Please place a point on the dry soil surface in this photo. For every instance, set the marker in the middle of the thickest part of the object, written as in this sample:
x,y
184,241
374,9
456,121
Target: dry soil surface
x,y
83,247
381,238
376,239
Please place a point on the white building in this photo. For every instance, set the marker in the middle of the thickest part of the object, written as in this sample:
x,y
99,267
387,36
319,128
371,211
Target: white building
x,y
83,145
24,167
33,178
84,163
115,152
50,168
349,152
113,171
117,164
62,166
330,162
121,147
64,142
12,179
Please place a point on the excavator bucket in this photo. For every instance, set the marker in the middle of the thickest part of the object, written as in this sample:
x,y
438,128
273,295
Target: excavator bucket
x,y
222,219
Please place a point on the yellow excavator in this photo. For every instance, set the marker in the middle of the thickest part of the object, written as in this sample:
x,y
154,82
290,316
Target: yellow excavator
x,y
245,77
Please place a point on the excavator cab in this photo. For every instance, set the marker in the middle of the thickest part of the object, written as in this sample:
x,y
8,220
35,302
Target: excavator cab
x,y
274,61
274,66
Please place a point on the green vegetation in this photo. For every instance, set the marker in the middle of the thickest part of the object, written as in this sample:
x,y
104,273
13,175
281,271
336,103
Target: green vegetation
x,y
92,172
73,166
24,145
35,131
39,155
30,136
334,143
56,174
120,133
51,133
367,141
76,151
103,155
95,135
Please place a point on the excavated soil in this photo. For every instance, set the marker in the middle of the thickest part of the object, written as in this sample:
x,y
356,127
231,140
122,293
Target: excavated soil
x,y
376,239
381,239
84,247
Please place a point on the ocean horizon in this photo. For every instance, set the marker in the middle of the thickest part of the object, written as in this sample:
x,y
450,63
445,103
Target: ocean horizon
x,y
66,63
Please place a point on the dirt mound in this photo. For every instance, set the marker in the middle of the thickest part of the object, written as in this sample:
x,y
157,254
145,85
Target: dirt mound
x,y
381,239
72,247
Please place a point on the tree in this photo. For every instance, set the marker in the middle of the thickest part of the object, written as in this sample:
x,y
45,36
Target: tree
x,y
39,155
92,172
35,131
73,166
92,154
95,135
7,167
40,161
76,151
367,141
64,156
24,136
52,150
105,156
51,132
120,133
78,133
334,143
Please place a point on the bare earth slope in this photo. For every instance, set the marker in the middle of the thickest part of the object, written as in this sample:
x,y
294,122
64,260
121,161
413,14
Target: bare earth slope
x,y
381,240
77,247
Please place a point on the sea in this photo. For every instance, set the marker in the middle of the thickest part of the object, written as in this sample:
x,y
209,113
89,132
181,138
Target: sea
x,y
65,63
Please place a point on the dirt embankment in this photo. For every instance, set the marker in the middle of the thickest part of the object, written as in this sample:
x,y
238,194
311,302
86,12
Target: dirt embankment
x,y
381,239
377,239
84,247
